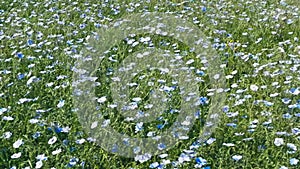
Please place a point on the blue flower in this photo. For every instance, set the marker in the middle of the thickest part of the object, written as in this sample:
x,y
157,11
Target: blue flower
x,y
20,55
161,146
21,76
30,42
200,72
197,114
72,149
114,148
160,126
65,142
36,135
73,162
201,161
287,116
286,100
58,129
225,109
203,100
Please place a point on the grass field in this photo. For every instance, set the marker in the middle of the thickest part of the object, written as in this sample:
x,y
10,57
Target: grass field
x,y
257,42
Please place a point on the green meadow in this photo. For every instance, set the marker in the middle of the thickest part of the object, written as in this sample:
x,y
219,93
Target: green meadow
x,y
257,43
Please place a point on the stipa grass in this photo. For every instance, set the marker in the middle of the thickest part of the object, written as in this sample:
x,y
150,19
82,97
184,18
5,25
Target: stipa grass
x,y
258,42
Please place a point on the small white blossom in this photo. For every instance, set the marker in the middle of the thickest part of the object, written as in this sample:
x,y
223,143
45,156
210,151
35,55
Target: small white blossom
x,y
18,143
16,155
237,157
278,141
253,87
52,140
55,152
39,164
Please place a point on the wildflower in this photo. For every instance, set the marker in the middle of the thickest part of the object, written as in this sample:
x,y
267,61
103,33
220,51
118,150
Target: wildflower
x,y
18,143
210,140
253,87
183,158
142,158
292,146
154,165
283,167
237,157
61,104
20,55
7,135
16,155
55,152
52,140
228,144
278,141
41,157
138,127
201,161
294,161
80,141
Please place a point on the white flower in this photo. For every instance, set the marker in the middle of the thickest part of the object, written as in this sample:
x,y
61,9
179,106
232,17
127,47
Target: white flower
x,y
294,161
237,157
66,129
278,141
234,85
18,143
283,167
94,125
105,123
154,165
30,80
2,110
228,144
142,158
16,155
7,135
190,61
41,157
61,104
33,121
183,157
292,146
274,94
138,127
52,140
8,118
234,72
165,162
163,155
253,87
81,141
101,99
55,152
210,141
38,164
